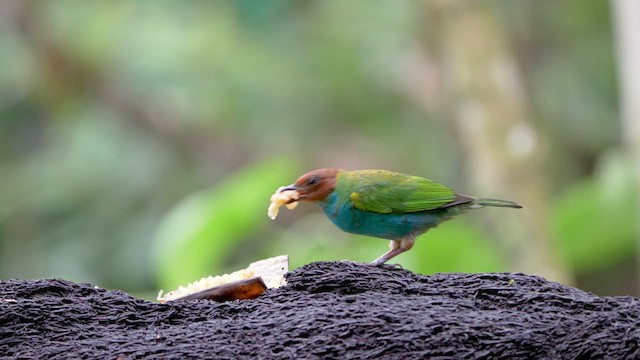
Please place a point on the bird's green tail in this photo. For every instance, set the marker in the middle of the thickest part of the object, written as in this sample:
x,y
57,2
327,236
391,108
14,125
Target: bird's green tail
x,y
497,203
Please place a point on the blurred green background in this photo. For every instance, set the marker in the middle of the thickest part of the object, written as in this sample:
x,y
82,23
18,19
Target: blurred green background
x,y
140,140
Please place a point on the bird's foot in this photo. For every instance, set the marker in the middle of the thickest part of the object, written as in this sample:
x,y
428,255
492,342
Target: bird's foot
x,y
387,266
347,261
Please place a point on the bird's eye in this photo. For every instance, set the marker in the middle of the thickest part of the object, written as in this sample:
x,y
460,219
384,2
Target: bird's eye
x,y
312,180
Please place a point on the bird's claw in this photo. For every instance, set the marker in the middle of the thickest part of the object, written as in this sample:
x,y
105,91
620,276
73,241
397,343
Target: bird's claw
x,y
388,266
349,261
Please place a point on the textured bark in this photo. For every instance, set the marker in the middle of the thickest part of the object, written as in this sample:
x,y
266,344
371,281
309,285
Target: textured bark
x,y
329,311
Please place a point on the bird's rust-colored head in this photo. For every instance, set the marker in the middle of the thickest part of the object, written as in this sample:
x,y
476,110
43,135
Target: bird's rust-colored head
x,y
315,185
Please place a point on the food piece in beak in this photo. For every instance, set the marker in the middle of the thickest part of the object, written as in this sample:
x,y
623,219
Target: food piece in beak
x,y
287,196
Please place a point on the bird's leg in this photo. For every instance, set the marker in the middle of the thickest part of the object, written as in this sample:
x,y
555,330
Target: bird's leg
x,y
396,247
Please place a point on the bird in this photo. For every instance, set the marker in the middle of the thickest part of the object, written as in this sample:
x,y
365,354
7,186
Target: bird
x,y
384,204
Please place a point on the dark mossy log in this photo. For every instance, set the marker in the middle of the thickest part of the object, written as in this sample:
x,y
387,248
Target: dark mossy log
x,y
335,310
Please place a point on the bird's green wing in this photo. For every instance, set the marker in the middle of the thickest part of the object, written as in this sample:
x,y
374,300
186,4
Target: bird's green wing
x,y
384,192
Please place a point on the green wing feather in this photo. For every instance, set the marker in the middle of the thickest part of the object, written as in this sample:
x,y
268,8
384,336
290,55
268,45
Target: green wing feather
x,y
385,192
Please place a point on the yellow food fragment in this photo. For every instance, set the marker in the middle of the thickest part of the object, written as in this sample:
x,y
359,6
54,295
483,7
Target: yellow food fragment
x,y
280,198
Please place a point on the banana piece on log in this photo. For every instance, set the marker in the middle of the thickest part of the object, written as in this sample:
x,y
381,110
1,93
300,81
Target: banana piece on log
x,y
247,283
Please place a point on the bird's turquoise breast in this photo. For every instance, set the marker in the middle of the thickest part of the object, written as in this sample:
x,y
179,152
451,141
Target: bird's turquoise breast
x,y
387,226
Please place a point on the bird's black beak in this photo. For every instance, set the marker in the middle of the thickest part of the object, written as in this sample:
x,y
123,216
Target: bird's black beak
x,y
290,187
295,188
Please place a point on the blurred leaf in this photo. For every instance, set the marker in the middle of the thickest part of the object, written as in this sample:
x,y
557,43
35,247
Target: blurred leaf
x,y
595,222
455,246
198,235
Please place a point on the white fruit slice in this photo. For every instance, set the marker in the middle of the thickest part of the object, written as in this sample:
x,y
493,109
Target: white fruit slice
x,y
242,284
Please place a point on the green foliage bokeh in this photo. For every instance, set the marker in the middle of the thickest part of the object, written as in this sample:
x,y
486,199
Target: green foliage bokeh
x,y
197,236
140,140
